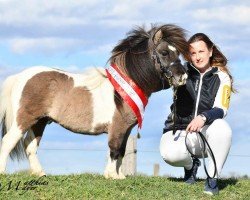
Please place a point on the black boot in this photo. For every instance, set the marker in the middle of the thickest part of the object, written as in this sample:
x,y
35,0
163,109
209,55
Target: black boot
x,y
190,175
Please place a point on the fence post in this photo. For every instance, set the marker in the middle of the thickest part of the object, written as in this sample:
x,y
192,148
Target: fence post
x,y
129,162
156,169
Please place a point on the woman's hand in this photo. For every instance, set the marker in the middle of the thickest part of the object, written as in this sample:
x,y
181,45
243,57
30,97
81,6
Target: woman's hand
x,y
196,124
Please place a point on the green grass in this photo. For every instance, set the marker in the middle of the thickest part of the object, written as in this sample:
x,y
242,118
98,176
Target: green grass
x,y
89,186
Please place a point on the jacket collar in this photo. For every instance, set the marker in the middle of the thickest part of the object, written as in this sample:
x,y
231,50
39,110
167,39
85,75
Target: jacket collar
x,y
192,70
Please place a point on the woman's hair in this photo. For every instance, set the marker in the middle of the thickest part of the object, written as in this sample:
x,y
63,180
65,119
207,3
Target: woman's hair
x,y
217,59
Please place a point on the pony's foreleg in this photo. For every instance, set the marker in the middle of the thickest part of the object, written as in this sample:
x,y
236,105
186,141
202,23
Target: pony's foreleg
x,y
31,143
9,141
117,145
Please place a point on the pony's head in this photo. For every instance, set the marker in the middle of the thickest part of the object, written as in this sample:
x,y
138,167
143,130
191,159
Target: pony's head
x,y
147,56
166,44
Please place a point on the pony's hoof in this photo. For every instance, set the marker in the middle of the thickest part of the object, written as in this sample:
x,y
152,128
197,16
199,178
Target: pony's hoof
x,y
106,176
39,174
42,175
122,176
114,176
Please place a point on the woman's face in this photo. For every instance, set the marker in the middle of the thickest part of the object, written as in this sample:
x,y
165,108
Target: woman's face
x,y
200,55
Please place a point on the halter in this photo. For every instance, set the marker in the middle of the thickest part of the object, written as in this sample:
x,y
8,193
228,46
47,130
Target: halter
x,y
165,71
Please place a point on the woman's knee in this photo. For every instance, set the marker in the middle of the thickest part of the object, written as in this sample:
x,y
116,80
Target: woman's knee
x,y
169,156
177,160
173,152
220,128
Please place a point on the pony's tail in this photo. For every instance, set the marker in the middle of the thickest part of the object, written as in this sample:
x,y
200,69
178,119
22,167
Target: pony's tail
x,y
6,115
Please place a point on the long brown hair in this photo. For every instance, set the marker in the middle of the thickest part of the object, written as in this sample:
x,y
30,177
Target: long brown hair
x,y
217,59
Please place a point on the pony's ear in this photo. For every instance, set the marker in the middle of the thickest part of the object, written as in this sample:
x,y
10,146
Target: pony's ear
x,y
158,36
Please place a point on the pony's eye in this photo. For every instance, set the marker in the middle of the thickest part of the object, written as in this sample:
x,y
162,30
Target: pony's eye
x,y
164,53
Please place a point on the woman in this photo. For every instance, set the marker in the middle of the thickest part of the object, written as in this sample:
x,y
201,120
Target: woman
x,y
201,106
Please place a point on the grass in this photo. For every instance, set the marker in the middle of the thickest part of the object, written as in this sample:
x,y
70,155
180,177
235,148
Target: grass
x,y
90,186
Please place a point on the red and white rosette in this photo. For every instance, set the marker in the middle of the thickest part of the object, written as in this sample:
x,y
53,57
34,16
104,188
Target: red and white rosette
x,y
129,91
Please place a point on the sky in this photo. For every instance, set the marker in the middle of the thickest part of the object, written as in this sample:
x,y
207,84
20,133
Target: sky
x,y
81,34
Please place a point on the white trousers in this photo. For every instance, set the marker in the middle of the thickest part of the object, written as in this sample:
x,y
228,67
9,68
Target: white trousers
x,y
219,136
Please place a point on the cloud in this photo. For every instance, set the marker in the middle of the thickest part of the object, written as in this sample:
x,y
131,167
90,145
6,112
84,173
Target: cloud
x,y
82,12
41,27
45,45
5,71
239,13
226,25
238,114
55,12
100,49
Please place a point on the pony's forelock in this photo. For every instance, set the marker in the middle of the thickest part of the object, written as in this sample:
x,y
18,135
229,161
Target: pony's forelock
x,y
176,36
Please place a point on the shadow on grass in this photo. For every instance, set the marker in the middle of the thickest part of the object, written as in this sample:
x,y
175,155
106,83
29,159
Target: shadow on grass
x,y
222,183
181,180
175,179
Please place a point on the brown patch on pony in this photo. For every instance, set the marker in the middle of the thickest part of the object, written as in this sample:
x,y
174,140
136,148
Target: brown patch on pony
x,y
101,128
52,94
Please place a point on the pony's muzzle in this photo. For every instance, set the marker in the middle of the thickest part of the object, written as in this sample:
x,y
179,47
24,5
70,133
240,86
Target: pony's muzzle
x,y
183,79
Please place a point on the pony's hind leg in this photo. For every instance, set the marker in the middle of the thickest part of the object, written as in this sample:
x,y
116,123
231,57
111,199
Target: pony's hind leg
x,y
31,143
9,141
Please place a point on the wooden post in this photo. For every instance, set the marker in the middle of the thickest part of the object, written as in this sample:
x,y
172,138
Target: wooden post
x,y
156,169
130,159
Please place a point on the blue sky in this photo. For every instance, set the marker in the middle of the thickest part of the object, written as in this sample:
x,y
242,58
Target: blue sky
x,y
80,34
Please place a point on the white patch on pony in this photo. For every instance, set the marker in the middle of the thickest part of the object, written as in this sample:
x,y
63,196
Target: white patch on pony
x,y
183,79
91,78
5,104
103,103
102,92
172,48
9,141
111,169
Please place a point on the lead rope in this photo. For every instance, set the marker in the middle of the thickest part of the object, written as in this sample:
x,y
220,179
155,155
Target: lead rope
x,y
174,109
205,142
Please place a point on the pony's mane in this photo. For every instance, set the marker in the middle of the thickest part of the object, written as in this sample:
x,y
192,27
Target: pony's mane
x,y
134,38
133,56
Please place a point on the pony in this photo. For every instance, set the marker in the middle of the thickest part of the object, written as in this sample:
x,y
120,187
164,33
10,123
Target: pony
x,y
88,103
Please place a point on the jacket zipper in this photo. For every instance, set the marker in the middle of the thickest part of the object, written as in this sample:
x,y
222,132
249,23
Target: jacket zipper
x,y
198,96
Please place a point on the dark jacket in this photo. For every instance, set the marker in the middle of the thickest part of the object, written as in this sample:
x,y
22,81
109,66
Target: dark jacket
x,y
207,94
